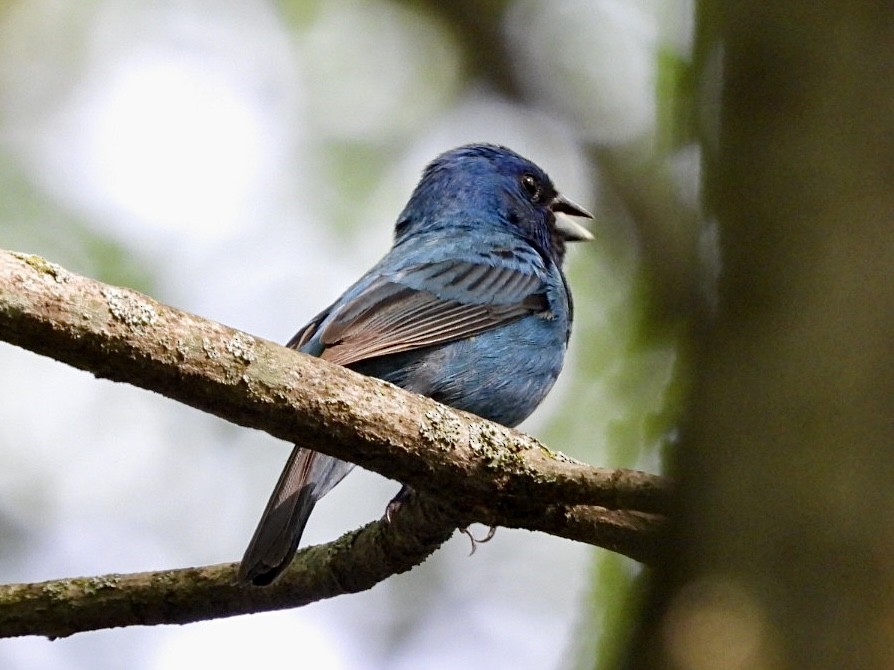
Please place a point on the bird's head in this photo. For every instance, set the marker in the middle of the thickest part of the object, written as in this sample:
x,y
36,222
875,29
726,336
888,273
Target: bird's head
x,y
484,185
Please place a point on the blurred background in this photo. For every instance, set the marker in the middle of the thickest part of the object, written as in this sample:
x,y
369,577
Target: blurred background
x,y
246,161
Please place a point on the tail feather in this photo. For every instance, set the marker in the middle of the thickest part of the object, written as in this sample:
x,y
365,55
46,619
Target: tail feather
x,y
307,477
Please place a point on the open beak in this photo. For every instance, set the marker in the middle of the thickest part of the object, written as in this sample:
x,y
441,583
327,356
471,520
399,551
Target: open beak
x,y
570,230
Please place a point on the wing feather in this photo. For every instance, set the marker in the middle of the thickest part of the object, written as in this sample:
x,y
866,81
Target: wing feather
x,y
424,306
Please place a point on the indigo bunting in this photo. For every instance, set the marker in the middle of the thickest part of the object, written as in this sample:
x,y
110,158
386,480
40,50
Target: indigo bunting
x,y
469,307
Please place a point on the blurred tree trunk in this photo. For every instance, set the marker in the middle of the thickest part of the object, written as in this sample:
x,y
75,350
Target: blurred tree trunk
x,y
782,554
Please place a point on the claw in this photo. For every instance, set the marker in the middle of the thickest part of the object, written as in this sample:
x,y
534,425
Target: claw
x,y
475,542
397,502
392,508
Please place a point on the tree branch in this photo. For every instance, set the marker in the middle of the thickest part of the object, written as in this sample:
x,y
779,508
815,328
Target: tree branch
x,y
478,470
355,562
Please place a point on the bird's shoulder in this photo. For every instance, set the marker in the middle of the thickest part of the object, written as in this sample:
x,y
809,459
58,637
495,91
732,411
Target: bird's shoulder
x,y
487,267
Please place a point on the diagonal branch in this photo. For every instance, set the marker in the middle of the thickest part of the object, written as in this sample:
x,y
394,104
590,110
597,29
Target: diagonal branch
x,y
479,471
124,336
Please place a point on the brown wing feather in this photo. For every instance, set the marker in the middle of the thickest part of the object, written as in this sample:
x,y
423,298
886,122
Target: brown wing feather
x,y
420,320
391,317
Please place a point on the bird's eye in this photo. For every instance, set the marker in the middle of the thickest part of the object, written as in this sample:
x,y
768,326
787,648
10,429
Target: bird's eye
x,y
532,187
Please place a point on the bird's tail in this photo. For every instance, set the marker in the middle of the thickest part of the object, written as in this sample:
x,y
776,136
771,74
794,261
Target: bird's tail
x,y
307,477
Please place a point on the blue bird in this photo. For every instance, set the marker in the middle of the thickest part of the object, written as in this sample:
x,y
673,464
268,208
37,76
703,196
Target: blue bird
x,y
469,307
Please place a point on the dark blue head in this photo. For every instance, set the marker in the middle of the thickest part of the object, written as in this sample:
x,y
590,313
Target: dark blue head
x,y
484,185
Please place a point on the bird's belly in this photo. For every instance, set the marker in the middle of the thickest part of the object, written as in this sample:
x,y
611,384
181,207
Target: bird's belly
x,y
501,375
